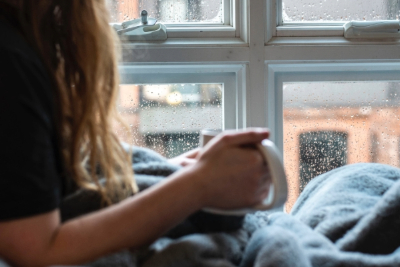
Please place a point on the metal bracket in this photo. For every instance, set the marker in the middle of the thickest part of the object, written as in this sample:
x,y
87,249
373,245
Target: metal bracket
x,y
142,29
372,29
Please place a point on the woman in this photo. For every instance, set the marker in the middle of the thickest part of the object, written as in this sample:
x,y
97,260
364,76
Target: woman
x,y
58,86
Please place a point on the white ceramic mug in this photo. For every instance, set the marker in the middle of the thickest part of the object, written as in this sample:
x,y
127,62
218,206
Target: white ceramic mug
x,y
278,190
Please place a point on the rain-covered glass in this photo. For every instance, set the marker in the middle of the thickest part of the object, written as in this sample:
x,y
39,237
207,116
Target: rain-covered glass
x,y
327,125
339,10
169,11
168,117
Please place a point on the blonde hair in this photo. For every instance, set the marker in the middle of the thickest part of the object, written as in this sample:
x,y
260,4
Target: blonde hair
x,y
79,49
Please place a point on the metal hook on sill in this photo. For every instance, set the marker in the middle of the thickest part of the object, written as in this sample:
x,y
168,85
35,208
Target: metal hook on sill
x,y
142,29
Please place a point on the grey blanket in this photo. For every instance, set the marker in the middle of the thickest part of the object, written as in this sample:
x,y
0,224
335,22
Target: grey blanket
x,y
347,217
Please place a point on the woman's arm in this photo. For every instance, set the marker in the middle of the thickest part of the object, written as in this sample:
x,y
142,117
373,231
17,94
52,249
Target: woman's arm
x,y
226,175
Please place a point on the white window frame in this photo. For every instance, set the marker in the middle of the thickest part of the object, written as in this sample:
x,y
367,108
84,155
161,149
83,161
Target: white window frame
x,y
231,27
280,72
302,29
200,59
231,76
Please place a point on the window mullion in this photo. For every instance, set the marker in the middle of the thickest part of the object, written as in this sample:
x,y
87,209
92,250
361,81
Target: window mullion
x,y
256,93
278,9
227,7
272,19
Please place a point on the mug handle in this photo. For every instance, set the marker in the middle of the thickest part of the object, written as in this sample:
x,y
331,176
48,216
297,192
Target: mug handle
x,y
278,189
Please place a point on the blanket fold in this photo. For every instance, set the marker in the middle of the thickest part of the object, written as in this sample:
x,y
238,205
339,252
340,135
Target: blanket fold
x,y
347,217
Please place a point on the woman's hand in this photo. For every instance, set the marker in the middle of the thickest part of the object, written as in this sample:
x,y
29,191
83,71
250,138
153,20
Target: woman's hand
x,y
231,171
186,159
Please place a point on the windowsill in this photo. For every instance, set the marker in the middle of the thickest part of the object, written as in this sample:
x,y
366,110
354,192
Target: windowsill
x,y
328,41
238,42
307,31
186,43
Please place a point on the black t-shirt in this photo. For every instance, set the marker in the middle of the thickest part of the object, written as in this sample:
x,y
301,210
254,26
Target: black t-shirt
x,y
30,163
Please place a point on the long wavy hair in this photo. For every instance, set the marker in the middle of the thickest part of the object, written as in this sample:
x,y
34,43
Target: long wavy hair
x,y
80,51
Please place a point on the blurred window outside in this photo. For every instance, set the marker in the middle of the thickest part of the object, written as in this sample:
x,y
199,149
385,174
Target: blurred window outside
x,y
168,117
326,17
333,120
339,11
168,11
165,112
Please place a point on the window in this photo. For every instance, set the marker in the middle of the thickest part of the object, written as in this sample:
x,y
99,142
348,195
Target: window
x,y
262,66
184,18
335,114
169,117
338,11
170,11
326,18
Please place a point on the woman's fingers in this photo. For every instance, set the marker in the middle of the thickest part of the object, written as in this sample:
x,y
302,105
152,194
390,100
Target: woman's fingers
x,y
186,159
238,138
232,160
192,154
187,162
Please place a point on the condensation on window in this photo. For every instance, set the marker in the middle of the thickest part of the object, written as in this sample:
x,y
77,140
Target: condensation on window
x,y
327,125
339,10
168,11
168,117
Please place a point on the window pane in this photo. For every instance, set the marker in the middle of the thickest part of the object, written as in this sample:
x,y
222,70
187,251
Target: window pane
x,y
339,10
169,11
330,124
168,117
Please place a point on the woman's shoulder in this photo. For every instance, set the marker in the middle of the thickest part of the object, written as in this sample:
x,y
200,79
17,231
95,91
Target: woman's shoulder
x,y
13,46
21,68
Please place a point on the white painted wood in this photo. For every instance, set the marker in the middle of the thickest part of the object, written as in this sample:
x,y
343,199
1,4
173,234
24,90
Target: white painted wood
x,y
312,24
226,10
183,54
278,12
133,69
256,97
328,41
236,19
185,43
318,31
241,85
333,52
201,32
272,20
244,20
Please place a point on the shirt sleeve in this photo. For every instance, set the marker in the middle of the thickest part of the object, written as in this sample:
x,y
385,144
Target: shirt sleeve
x,y
29,176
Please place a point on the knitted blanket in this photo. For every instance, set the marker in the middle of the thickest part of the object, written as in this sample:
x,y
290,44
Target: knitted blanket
x,y
347,217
